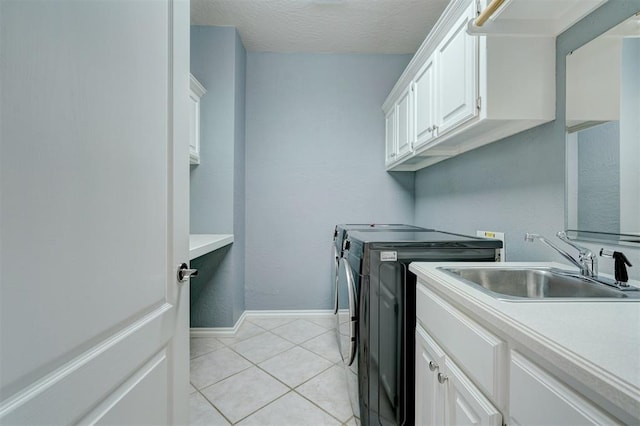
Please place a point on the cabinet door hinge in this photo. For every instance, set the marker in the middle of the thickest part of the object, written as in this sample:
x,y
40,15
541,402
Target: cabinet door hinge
x,y
478,102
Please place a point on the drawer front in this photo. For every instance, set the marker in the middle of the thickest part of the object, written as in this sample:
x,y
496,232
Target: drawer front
x,y
480,353
536,398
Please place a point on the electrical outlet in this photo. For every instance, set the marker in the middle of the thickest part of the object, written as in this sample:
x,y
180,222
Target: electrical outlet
x,y
502,253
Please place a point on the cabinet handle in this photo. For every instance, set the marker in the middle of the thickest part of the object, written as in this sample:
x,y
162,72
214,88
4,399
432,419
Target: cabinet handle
x,y
442,378
433,366
429,129
393,155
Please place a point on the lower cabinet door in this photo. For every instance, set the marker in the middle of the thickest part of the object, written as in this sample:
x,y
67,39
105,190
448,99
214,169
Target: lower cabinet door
x,y
532,388
464,403
429,396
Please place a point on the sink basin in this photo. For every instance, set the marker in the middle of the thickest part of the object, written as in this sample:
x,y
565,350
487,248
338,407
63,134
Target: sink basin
x,y
536,284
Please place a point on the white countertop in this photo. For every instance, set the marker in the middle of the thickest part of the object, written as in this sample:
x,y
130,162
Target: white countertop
x,y
200,244
596,343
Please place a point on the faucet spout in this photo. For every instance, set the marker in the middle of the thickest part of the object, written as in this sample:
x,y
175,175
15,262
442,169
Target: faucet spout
x,y
586,262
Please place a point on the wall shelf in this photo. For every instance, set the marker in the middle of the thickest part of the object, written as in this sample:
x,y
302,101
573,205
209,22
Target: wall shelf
x,y
200,244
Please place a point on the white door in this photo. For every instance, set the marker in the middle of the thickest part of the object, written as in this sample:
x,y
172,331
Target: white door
x,y
94,212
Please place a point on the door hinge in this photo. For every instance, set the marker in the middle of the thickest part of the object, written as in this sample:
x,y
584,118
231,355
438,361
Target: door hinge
x,y
478,102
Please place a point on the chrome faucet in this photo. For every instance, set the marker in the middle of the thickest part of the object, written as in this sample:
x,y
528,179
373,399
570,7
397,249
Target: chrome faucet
x,y
587,261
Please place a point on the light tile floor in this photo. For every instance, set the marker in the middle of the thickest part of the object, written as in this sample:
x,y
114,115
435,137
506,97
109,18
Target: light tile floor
x,y
275,371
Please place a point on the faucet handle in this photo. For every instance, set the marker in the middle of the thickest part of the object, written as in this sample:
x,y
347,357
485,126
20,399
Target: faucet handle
x,y
530,237
583,250
587,260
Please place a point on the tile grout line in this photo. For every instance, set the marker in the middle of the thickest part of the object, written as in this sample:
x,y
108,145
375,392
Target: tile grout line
x,y
319,407
215,408
253,364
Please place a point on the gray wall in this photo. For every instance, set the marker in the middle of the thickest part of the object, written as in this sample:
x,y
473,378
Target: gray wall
x,y
218,61
512,186
315,158
516,185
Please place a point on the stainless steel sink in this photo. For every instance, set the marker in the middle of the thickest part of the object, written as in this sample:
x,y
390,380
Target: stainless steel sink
x,y
537,284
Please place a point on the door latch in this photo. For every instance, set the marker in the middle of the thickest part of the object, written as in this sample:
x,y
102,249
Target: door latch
x,y
184,273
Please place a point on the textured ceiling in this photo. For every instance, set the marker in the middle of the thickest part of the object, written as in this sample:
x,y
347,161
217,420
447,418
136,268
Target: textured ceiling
x,y
337,26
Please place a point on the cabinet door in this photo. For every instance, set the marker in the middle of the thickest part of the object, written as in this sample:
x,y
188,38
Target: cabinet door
x,y
404,122
464,403
532,388
390,136
457,76
429,395
194,126
424,101
196,90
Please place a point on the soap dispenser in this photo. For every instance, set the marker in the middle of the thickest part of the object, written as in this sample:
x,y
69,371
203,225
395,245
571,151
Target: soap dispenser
x,y
621,263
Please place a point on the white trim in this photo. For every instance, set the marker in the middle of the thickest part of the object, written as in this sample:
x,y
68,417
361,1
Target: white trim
x,y
290,313
231,331
201,244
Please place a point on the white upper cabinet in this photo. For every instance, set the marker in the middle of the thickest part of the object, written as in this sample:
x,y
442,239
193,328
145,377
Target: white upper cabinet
x,y
465,90
399,133
196,91
390,136
531,17
404,122
457,75
424,115
598,60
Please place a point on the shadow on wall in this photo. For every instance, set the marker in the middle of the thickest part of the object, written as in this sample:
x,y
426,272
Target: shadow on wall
x,y
208,266
406,181
533,158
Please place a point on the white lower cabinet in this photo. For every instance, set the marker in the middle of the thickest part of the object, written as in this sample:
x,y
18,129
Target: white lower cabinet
x,y
468,372
429,396
537,398
444,394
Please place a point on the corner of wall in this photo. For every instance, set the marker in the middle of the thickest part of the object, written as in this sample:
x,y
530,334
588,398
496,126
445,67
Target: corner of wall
x,y
218,59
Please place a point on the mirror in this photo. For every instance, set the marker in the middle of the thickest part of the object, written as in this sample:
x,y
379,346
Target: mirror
x,y
603,136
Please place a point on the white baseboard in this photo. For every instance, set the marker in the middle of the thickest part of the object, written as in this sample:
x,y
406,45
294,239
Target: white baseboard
x,y
231,331
287,313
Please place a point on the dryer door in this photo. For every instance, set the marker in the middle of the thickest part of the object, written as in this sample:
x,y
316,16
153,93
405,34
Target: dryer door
x,y
336,266
347,315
